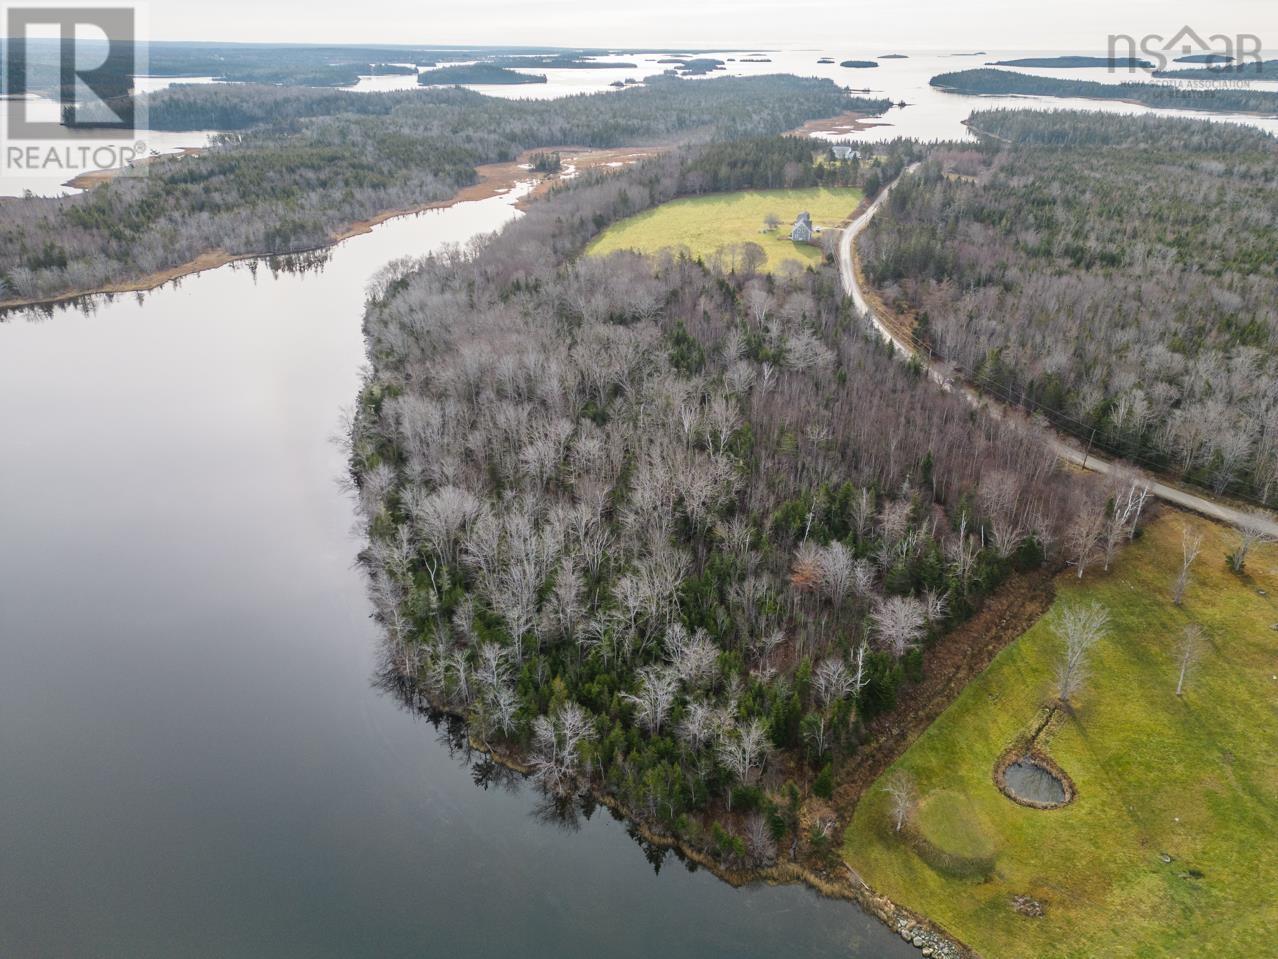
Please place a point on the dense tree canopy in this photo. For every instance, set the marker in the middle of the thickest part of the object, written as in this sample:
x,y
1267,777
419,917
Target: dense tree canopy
x,y
1116,273
667,532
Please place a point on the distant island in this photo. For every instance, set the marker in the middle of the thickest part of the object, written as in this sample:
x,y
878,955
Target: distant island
x,y
893,56
477,73
755,60
694,67
1261,69
859,64
1069,63
985,82
978,53
1205,58
826,60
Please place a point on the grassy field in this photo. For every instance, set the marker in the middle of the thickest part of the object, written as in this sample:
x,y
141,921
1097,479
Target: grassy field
x,y
1192,778
707,224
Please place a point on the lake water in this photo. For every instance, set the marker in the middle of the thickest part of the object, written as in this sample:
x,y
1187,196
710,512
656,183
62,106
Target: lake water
x,y
195,760
50,179
930,115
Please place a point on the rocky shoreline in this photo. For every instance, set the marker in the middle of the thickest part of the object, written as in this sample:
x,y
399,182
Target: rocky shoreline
x,y
918,931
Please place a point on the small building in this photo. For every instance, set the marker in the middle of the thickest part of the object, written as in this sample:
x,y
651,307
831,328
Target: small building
x,y
802,230
844,152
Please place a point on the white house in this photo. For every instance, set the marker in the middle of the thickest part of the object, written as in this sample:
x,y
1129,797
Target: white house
x,y
802,230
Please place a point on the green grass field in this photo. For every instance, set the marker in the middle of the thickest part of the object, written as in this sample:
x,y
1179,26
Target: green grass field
x,y
707,224
1193,778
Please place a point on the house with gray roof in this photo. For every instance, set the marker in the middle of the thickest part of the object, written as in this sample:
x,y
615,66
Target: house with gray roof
x,y
802,231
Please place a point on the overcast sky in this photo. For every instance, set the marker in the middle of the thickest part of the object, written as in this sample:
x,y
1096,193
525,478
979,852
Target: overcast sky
x,y
852,24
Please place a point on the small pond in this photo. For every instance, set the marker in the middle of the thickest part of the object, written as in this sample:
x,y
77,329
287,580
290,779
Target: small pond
x,y
1028,782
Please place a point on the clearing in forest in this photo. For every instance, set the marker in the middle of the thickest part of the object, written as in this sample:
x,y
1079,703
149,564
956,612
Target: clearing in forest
x,y
1167,848
716,223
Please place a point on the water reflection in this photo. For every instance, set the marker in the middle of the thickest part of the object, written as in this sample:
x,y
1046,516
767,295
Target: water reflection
x,y
566,813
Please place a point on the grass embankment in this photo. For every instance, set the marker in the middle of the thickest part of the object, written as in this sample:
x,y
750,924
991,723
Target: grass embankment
x,y
706,225
1193,778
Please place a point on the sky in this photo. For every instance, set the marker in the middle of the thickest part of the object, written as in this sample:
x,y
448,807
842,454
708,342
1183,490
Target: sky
x,y
1082,25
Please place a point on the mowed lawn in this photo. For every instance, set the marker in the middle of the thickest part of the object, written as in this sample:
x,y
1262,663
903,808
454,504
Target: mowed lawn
x,y
1193,778
707,224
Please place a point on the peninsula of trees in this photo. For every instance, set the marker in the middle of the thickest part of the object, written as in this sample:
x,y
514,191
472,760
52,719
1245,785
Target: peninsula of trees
x,y
1075,62
670,535
476,73
1006,83
1219,69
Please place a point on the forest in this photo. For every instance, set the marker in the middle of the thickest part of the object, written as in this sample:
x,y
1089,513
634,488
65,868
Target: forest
x,y
1075,62
476,73
669,533
1114,274
1245,69
1007,83
304,164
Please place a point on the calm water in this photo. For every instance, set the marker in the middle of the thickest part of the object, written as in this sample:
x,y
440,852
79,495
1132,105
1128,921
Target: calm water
x,y
194,759
50,179
931,114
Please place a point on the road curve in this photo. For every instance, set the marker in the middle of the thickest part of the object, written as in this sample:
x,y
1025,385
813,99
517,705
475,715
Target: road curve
x,y
1194,502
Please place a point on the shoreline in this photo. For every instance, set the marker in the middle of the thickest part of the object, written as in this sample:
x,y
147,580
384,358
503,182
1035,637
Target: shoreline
x,y
950,665
91,178
844,124
914,928
494,179
1206,111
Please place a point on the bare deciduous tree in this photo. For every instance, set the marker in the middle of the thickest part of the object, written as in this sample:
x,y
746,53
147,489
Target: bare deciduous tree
x,y
831,681
653,700
1191,644
694,659
555,757
899,622
759,842
1126,504
835,564
863,508
441,517
962,552
1191,544
1083,535
818,734
902,795
698,725
1081,626
1252,532
743,751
